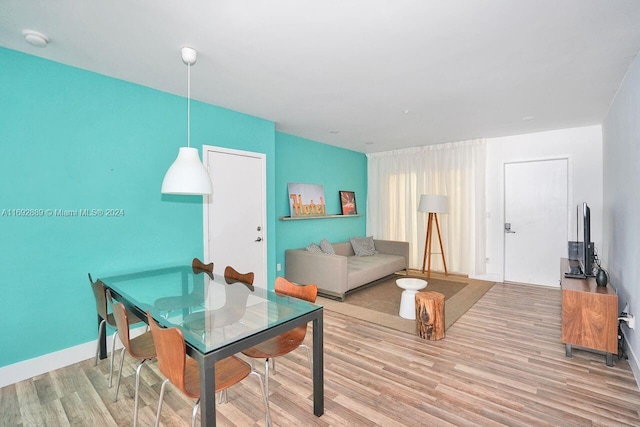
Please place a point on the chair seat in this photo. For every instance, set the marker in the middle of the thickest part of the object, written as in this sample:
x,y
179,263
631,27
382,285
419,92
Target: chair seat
x,y
279,345
141,347
212,319
229,371
179,302
132,318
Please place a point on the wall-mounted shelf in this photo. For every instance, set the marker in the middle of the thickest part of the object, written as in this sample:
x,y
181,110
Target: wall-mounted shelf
x,y
288,218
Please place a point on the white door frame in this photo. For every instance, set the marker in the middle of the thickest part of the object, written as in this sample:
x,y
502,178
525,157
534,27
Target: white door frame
x,y
205,205
570,211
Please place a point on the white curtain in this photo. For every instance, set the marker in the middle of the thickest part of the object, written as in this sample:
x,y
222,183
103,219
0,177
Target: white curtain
x,y
396,179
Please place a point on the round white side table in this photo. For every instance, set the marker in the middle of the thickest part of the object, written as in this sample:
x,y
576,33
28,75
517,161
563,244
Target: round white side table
x,y
411,287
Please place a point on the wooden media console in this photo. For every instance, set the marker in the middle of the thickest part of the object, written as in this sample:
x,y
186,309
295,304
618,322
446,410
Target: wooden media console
x,y
589,315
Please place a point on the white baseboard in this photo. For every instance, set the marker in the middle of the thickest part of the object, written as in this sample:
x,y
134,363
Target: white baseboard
x,y
49,362
26,369
489,277
633,360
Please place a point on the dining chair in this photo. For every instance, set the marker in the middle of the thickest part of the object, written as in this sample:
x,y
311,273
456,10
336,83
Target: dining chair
x,y
233,309
196,297
231,275
100,296
140,348
184,373
287,341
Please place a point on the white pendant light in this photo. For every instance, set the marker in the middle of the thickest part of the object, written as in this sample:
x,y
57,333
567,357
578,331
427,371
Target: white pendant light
x,y
187,174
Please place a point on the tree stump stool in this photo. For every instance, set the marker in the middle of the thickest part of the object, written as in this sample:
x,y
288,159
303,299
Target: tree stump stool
x,y
430,315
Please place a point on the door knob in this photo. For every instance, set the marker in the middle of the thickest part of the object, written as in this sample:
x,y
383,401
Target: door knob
x,y
259,239
507,227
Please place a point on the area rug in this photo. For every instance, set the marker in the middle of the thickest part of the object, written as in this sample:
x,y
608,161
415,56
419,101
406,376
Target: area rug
x,y
379,302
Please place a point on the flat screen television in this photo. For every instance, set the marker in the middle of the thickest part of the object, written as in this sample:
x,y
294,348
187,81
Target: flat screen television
x,y
582,249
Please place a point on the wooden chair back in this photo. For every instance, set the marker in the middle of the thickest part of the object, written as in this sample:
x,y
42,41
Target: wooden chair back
x,y
171,353
232,275
291,339
122,322
100,295
305,292
199,266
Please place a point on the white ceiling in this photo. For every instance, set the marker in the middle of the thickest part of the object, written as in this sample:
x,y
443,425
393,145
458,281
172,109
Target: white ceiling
x,y
462,69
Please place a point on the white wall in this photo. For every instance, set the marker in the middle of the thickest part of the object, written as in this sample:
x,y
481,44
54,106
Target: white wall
x,y
621,254
583,148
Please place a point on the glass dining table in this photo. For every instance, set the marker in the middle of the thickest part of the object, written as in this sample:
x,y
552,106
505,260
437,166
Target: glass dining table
x,y
218,318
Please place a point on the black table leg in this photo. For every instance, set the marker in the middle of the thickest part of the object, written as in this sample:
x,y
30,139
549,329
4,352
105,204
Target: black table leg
x,y
207,392
318,366
102,339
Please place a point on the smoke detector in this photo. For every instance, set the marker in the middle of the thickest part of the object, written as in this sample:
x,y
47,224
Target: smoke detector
x,y
35,38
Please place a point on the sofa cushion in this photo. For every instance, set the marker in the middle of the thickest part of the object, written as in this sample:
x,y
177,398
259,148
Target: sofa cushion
x,y
343,249
314,248
326,247
363,270
363,246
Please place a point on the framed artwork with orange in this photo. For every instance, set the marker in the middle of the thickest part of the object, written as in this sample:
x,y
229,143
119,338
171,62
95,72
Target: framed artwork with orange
x,y
348,203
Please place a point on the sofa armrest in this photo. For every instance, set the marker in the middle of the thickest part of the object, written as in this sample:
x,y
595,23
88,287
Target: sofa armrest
x,y
328,272
394,247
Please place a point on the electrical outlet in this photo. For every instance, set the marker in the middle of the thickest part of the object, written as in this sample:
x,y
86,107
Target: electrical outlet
x,y
278,267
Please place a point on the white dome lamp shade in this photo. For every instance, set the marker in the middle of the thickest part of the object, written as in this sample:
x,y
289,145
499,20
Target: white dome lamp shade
x,y
187,174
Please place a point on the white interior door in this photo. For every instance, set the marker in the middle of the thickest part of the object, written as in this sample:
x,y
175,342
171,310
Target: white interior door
x,y
235,214
535,215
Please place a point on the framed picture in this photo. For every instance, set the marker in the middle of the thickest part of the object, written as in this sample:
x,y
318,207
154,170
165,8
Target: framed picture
x,y
306,200
348,203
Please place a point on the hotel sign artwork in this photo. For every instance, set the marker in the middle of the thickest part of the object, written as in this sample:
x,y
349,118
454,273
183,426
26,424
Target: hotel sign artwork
x,y
306,200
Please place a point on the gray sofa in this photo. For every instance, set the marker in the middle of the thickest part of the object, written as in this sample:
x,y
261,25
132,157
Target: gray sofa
x,y
336,274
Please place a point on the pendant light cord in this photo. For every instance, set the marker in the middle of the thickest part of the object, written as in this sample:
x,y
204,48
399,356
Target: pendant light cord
x,y
188,105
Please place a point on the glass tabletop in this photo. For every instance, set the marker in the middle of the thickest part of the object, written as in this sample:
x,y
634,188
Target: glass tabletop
x,y
211,311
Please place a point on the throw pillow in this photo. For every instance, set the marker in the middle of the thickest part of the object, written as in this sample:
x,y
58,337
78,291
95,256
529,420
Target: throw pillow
x,y
313,248
326,247
363,246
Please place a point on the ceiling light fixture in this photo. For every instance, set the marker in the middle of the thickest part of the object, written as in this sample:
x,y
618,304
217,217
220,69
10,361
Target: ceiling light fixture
x,y
35,38
187,174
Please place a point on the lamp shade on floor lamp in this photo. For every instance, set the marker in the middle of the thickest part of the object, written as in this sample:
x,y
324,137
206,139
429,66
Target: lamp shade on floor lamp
x,y
433,205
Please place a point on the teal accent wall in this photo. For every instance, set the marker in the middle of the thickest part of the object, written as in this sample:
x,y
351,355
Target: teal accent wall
x,y
72,139
309,162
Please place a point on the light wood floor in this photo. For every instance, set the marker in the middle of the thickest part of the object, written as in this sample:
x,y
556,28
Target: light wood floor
x,y
502,363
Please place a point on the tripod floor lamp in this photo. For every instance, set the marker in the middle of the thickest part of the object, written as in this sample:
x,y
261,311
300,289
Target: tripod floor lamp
x,y
433,205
